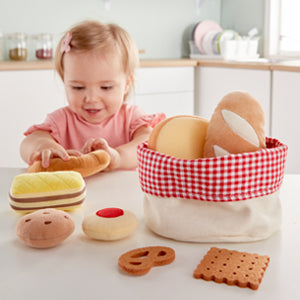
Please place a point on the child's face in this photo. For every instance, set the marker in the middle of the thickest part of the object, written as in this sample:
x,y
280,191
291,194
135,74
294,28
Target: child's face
x,y
95,84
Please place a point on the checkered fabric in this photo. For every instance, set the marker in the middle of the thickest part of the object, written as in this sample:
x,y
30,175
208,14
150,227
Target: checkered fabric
x,y
227,178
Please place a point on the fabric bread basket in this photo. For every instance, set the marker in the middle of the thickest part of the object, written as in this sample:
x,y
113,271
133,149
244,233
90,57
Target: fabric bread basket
x,y
233,198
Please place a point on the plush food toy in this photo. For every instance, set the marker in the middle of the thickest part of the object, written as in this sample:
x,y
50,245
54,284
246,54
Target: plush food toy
x,y
60,189
237,125
180,136
109,224
86,165
45,228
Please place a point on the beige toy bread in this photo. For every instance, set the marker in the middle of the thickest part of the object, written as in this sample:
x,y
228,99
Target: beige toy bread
x,y
86,164
61,189
109,224
44,228
180,136
236,126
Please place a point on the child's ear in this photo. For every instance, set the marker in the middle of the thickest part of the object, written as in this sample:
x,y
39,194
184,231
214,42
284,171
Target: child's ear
x,y
129,83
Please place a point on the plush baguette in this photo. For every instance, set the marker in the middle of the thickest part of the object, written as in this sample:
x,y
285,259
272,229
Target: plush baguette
x,y
86,164
64,190
236,126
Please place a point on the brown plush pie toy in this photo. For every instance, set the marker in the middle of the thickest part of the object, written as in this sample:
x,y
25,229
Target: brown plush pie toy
x,y
86,164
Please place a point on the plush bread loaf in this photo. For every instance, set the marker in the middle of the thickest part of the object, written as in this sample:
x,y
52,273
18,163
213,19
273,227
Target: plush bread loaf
x,y
64,190
236,126
181,136
86,164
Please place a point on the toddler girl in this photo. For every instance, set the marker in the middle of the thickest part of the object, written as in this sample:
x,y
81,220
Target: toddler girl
x,y
96,63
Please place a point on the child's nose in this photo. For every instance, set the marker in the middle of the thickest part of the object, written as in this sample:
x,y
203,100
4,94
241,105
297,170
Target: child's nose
x,y
92,96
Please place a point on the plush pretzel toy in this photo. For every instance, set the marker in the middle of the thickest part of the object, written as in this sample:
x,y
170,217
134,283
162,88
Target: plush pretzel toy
x,y
236,126
86,165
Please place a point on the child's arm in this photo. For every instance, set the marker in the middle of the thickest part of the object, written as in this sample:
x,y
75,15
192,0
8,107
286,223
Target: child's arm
x,y
124,156
128,152
40,145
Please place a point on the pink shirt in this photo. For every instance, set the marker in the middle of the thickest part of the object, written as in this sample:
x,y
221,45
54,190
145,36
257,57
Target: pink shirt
x,y
71,131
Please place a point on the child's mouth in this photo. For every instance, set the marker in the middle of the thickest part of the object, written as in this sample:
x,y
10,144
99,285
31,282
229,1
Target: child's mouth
x,y
93,111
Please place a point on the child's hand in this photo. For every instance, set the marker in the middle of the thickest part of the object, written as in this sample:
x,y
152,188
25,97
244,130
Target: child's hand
x,y
45,155
101,144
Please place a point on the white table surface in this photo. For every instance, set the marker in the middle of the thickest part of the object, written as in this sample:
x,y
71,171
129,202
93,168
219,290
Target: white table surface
x,y
81,268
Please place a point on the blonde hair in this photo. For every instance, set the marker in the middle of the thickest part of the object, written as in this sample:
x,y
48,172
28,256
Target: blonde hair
x,y
90,35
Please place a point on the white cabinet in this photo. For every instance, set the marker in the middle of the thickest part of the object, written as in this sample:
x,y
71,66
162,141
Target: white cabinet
x,y
26,98
286,115
166,89
212,83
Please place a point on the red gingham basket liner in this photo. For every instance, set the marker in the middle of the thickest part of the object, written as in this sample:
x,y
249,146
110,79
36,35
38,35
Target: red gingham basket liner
x,y
227,178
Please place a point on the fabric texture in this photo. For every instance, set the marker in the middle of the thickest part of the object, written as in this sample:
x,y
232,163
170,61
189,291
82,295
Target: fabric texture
x,y
207,221
233,198
227,178
71,131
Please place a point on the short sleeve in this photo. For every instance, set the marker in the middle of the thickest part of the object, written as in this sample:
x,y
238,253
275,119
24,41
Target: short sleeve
x,y
48,125
146,120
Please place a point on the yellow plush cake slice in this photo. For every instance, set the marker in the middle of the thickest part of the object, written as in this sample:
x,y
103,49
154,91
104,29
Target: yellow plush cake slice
x,y
64,190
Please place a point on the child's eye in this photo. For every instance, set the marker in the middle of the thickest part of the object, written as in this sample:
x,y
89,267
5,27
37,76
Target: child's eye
x,y
77,88
106,87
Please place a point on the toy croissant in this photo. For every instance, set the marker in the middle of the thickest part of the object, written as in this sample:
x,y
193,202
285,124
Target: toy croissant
x,y
86,164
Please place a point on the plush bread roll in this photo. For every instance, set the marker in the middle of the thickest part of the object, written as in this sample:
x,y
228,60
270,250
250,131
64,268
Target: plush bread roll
x,y
182,137
237,125
45,228
86,165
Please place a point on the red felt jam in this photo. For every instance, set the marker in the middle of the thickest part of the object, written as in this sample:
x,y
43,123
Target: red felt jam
x,y
111,212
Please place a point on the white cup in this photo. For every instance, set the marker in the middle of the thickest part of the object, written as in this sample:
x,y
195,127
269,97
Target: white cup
x,y
241,48
228,49
252,48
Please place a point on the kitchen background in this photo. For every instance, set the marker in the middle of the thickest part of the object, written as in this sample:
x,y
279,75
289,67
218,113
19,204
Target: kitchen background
x,y
165,82
159,27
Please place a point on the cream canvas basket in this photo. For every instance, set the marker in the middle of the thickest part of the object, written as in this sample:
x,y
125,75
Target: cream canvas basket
x,y
234,198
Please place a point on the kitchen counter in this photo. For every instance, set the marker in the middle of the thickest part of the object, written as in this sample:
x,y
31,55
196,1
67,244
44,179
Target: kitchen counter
x,y
49,64
80,268
292,66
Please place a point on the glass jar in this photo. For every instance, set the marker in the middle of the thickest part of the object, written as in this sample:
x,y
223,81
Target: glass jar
x,y
17,46
43,45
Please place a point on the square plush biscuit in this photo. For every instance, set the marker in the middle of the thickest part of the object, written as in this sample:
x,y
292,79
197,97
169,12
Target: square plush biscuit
x,y
232,267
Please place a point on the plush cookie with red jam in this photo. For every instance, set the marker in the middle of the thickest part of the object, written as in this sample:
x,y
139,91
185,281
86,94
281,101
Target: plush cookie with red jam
x,y
109,224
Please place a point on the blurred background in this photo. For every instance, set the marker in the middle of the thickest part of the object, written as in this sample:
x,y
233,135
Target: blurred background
x,y
161,28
